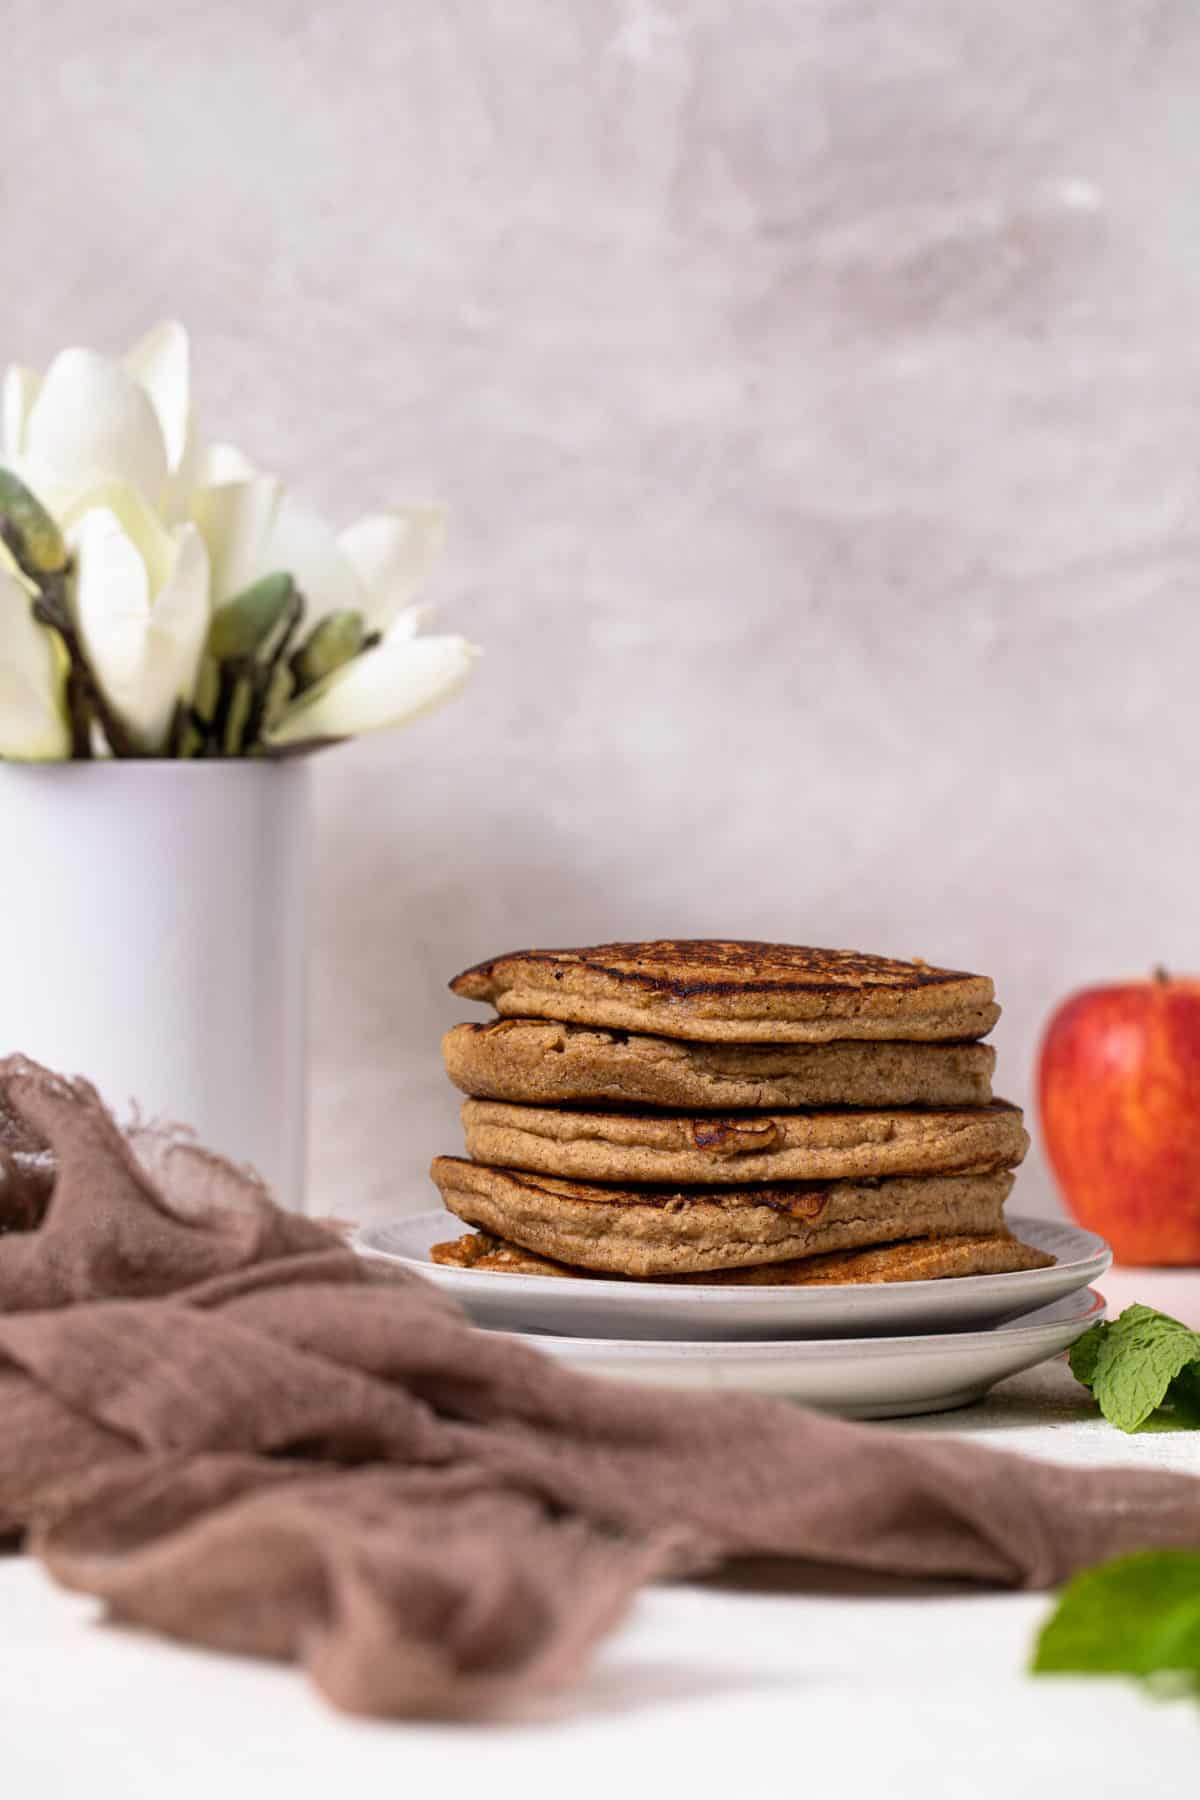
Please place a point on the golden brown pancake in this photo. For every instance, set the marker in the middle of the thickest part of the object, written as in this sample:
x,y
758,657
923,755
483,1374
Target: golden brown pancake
x,y
735,992
916,1259
919,1259
743,1147
544,1062
664,1230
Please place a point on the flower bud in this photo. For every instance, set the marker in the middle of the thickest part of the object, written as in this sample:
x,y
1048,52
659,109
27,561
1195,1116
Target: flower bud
x,y
242,626
34,538
208,688
279,691
339,637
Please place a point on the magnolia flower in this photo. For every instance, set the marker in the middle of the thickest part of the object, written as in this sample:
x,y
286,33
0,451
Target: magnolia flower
x,y
33,673
92,420
367,573
402,678
179,549
374,567
141,604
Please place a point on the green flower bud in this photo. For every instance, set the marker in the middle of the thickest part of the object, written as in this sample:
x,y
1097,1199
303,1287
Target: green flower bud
x,y
242,626
333,642
279,692
34,538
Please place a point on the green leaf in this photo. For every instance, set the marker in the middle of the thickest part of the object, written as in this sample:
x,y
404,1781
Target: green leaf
x,y
1085,1351
1183,1396
1136,1362
1139,1616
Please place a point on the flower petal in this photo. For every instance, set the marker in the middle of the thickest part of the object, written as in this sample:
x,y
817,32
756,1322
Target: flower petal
x,y
33,720
10,566
307,547
145,646
112,603
236,520
179,622
389,685
161,362
406,624
182,482
20,391
140,523
91,423
217,463
392,553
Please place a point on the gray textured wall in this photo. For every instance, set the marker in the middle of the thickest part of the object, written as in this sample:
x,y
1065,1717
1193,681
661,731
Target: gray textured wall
x,y
815,386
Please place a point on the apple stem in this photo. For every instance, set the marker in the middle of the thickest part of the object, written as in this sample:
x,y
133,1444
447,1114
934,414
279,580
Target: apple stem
x,y
1160,975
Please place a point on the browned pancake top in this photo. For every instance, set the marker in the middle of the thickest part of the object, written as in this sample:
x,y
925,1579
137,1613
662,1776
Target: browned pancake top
x,y
685,967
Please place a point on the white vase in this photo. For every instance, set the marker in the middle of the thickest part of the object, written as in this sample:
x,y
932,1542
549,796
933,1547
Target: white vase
x,y
153,937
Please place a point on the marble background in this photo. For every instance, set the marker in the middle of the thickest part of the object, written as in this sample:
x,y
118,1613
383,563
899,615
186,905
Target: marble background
x,y
815,386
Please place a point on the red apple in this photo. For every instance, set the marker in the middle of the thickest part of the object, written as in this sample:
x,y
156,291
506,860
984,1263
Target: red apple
x,y
1119,1093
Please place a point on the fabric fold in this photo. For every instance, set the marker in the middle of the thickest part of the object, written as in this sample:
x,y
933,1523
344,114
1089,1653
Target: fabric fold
x,y
219,1422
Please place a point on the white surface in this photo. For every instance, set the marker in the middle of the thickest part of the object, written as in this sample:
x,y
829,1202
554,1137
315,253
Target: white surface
x,y
860,1378
846,1689
153,937
649,1309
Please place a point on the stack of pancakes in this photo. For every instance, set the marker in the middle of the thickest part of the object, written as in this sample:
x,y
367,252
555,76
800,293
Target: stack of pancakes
x,y
730,1111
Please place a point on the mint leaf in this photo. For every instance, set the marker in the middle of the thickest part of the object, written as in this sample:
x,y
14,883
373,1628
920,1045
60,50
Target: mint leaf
x,y
1183,1396
1136,1363
1139,1616
1085,1351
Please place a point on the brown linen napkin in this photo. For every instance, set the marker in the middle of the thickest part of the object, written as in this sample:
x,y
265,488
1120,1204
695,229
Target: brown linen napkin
x,y
215,1420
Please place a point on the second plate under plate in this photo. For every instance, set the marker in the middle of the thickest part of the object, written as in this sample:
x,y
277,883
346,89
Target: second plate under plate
x,y
860,1378
582,1306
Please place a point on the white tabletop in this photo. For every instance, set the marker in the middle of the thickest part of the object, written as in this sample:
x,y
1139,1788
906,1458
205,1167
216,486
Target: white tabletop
x,y
855,1689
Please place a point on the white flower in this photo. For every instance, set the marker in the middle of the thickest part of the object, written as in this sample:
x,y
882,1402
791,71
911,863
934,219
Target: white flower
x,y
33,671
392,553
92,420
162,363
164,529
141,603
235,519
374,567
400,679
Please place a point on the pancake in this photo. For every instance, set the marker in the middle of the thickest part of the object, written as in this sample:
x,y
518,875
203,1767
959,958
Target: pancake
x,y
916,1259
653,1231
540,1061
718,991
742,1147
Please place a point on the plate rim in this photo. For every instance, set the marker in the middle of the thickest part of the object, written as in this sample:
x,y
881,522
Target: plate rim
x,y
922,1343
1092,1264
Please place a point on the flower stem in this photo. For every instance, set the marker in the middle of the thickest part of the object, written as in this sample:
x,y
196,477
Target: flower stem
x,y
265,675
78,716
50,608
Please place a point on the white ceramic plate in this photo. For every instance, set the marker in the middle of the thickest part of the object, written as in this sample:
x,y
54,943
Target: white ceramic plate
x,y
656,1309
861,1378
